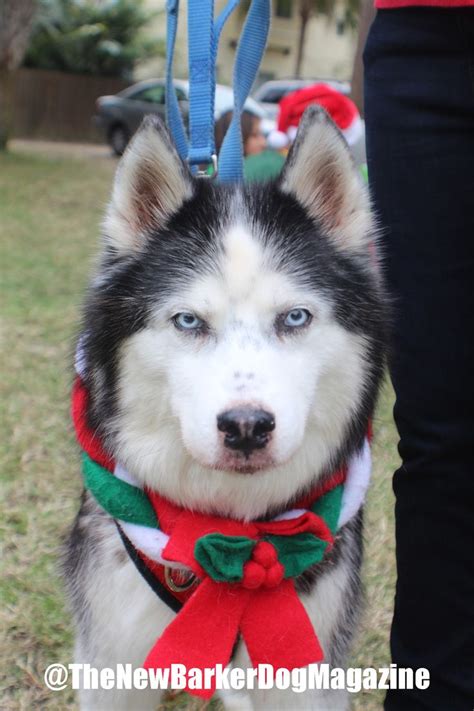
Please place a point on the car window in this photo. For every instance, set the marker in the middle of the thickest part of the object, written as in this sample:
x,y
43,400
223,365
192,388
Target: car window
x,y
156,94
152,94
273,96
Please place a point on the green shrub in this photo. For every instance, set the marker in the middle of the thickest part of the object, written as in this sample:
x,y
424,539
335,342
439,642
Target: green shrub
x,y
87,37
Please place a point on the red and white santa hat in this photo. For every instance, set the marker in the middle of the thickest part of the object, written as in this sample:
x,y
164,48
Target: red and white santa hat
x,y
341,109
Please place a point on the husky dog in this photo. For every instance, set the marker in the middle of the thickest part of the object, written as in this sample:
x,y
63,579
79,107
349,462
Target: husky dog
x,y
234,347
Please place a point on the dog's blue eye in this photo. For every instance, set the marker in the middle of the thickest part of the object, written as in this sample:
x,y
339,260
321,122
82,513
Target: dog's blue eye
x,y
187,321
296,318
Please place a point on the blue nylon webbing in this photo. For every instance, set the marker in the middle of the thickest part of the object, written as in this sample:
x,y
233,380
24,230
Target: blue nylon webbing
x,y
247,61
173,114
203,40
201,81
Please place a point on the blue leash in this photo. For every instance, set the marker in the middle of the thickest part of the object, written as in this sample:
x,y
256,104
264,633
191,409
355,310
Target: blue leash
x,y
247,61
203,41
173,114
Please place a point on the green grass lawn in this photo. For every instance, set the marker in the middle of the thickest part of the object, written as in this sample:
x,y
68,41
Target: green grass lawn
x,y
50,210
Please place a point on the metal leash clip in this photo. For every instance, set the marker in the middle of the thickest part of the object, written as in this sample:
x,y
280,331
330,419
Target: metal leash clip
x,y
201,172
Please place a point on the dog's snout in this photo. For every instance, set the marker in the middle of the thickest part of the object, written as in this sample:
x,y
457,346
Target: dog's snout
x,y
246,429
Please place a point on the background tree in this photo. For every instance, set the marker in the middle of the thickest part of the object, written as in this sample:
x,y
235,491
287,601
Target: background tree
x,y
16,17
91,37
310,8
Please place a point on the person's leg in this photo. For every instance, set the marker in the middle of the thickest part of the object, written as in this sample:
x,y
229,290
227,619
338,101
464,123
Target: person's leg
x,y
419,104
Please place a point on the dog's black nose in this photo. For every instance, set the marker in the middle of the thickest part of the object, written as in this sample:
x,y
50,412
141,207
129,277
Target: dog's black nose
x,y
246,429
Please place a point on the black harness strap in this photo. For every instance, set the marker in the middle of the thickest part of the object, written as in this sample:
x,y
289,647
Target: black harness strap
x,y
155,584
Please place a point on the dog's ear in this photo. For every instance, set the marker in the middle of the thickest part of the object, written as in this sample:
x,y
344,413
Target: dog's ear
x,y
320,173
151,183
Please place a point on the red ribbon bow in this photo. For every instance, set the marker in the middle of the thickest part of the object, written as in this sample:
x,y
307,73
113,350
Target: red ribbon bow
x,y
264,607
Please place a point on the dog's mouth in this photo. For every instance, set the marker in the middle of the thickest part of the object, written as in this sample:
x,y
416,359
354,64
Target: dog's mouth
x,y
242,464
245,469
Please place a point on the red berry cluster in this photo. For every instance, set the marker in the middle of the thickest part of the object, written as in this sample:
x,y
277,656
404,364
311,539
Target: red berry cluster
x,y
263,569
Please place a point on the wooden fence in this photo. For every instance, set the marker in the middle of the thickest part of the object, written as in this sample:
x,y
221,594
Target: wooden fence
x,y
58,106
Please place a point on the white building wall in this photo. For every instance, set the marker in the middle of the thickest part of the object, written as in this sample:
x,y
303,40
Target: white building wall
x,y
328,54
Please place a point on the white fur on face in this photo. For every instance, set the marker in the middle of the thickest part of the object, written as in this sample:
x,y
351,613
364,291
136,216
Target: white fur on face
x,y
173,385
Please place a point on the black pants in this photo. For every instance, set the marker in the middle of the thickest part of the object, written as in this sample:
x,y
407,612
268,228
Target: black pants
x,y
419,103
